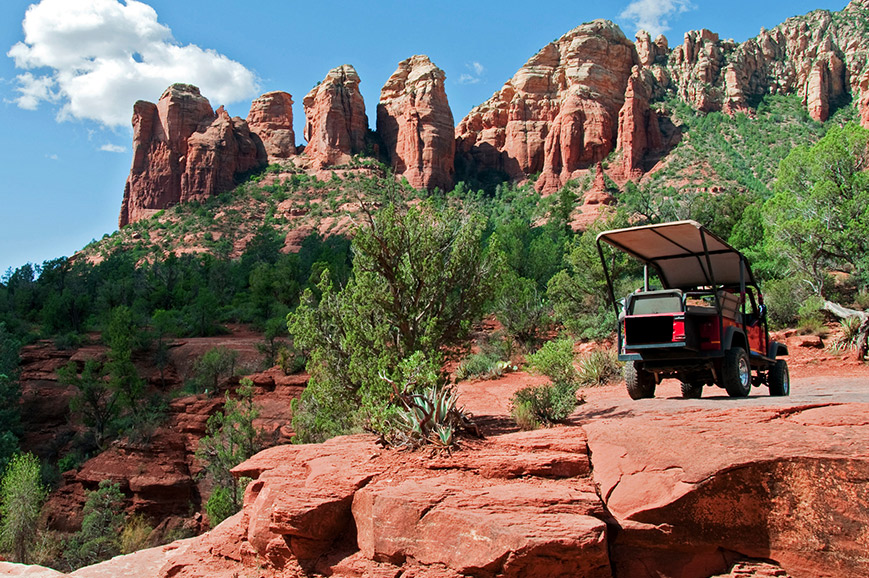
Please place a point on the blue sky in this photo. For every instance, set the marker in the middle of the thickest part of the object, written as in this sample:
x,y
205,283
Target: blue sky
x,y
65,138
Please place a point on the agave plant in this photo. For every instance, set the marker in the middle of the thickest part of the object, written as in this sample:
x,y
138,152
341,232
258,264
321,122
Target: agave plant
x,y
430,417
850,334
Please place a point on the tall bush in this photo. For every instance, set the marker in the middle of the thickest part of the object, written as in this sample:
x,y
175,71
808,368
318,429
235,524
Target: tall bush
x,y
420,278
21,497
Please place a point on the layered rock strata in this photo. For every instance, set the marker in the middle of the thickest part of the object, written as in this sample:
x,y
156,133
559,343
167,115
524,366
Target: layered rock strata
x,y
415,123
558,114
271,118
183,150
335,119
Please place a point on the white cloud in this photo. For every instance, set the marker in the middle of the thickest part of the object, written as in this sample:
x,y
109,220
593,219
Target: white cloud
x,y
97,57
653,15
113,148
476,71
34,89
51,157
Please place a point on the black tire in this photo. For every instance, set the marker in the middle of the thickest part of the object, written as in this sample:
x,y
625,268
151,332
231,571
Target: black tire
x,y
640,383
736,373
692,390
779,379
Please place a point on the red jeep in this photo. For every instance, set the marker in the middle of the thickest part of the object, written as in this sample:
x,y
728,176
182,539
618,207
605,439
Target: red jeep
x,y
708,324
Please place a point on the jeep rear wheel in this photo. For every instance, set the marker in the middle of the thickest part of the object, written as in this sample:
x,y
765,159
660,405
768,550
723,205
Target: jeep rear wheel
x,y
640,383
779,379
736,373
692,390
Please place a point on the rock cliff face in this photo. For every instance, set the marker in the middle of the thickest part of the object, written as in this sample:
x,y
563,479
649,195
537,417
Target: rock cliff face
x,y
821,56
558,114
415,122
271,118
183,150
335,119
568,108
215,155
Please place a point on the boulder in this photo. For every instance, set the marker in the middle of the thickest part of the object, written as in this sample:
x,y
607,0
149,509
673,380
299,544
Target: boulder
x,y
415,123
271,119
688,493
335,119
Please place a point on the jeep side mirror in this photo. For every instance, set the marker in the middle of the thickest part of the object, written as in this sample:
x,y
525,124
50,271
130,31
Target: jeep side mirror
x,y
762,311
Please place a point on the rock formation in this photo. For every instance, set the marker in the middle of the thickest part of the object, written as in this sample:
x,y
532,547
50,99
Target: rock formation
x,y
559,112
335,119
215,155
415,124
579,98
664,490
813,56
639,131
271,118
183,150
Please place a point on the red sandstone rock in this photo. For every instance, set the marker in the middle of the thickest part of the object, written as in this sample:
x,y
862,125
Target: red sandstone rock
x,y
639,132
271,118
416,124
335,119
178,154
686,489
443,517
559,112
502,529
216,155
800,56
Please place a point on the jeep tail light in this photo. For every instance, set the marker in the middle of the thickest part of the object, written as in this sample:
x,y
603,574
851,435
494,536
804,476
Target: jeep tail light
x,y
678,329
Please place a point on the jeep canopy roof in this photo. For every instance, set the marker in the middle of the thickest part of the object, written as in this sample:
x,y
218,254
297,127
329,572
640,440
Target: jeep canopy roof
x,y
684,253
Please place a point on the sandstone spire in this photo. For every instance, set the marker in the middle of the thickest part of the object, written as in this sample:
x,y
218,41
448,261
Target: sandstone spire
x,y
416,124
335,119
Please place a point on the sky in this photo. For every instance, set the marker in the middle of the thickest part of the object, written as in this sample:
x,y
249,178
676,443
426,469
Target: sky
x,y
70,71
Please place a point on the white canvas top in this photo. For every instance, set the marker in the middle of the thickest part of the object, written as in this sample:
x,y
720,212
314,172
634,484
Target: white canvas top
x,y
681,252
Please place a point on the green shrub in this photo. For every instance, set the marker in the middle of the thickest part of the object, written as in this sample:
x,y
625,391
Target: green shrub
x,y
230,439
555,360
599,367
291,361
542,405
215,366
21,497
811,317
783,298
521,308
548,404
100,535
485,365
223,502
421,276
136,534
523,414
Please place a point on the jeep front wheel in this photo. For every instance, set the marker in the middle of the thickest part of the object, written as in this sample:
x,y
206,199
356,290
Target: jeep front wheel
x,y
640,383
736,373
779,379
